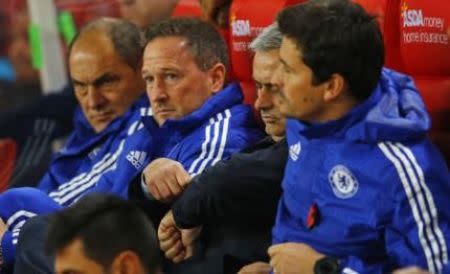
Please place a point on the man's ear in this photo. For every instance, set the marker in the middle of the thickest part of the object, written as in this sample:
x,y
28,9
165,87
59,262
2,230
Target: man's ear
x,y
127,262
334,87
216,77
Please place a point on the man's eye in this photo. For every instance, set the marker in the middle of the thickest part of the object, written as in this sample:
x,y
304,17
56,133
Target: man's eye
x,y
80,89
274,88
149,79
106,82
171,76
109,81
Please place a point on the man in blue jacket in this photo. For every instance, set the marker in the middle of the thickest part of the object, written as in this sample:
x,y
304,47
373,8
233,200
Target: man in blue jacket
x,y
222,199
107,84
364,190
194,120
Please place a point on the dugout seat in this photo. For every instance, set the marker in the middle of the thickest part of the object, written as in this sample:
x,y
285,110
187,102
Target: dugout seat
x,y
8,152
189,8
247,19
416,38
87,10
425,52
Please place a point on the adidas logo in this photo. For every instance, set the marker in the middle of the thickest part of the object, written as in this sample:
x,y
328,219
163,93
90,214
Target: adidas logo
x,y
93,153
294,151
137,158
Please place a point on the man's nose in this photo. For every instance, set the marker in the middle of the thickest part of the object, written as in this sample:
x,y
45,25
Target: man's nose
x,y
157,91
264,100
95,98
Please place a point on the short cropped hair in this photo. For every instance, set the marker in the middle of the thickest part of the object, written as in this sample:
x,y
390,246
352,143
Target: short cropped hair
x,y
107,226
337,36
125,37
204,41
269,39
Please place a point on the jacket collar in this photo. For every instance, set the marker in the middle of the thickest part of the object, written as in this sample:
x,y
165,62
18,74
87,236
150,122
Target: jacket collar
x,y
84,136
394,112
231,95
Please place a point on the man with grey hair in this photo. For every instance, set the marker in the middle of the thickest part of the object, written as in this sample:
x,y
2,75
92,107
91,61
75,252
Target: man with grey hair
x,y
235,201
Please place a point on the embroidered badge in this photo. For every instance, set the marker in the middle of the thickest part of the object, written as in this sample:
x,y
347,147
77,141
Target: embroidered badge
x,y
294,151
344,183
137,158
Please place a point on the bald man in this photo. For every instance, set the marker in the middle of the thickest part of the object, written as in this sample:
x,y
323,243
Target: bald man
x,y
104,62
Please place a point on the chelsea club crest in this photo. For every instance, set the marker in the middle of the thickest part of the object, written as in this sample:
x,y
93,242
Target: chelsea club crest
x,y
344,183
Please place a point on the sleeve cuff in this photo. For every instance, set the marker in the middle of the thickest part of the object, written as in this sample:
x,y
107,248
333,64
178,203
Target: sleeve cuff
x,y
144,189
8,249
181,222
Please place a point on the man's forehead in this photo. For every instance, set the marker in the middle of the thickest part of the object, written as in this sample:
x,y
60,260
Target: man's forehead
x,y
86,56
93,42
265,64
94,58
92,66
168,53
167,46
266,58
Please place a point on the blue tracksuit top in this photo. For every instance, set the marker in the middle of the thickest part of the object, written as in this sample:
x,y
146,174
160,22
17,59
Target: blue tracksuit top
x,y
381,189
223,125
220,127
86,150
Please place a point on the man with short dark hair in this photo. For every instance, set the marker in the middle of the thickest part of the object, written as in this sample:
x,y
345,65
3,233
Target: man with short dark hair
x,y
185,66
360,194
234,201
103,234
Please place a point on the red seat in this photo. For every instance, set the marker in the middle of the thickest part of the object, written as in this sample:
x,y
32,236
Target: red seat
x,y
387,13
425,50
187,8
87,10
417,43
8,151
247,19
